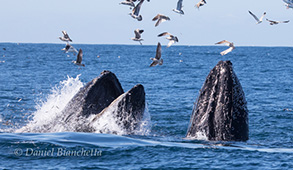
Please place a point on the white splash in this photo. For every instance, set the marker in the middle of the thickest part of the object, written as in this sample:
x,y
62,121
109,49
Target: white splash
x,y
201,136
198,136
144,128
108,123
53,105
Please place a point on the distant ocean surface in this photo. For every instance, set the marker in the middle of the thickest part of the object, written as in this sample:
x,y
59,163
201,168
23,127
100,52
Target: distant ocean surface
x,y
37,79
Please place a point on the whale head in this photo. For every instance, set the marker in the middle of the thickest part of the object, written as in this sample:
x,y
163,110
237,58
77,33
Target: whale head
x,y
220,112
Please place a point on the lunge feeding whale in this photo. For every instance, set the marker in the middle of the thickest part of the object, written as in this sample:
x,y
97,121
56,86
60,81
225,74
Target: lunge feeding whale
x,y
103,96
221,110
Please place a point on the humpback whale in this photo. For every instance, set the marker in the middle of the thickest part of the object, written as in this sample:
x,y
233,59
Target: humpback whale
x,y
103,96
220,113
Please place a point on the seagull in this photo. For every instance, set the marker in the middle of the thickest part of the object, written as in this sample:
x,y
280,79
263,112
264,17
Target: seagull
x,y
135,11
231,45
200,3
157,60
172,39
79,58
276,22
127,2
179,7
137,37
69,48
65,37
258,20
160,18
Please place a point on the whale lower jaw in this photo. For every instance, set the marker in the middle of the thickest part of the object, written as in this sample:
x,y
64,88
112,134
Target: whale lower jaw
x,y
220,113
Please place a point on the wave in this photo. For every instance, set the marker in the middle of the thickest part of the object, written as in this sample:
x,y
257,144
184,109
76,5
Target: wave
x,y
74,139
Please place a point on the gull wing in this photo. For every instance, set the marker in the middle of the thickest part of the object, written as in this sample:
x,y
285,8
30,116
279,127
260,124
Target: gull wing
x,y
66,35
136,10
127,2
254,16
161,18
154,63
163,34
227,51
156,17
158,22
170,43
79,56
285,21
73,49
137,33
179,4
270,20
263,15
159,51
164,17
224,42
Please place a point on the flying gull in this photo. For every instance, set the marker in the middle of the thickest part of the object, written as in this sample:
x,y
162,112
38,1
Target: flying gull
x,y
69,48
79,58
157,60
65,37
276,22
231,45
135,11
258,20
137,37
172,39
200,3
179,7
161,18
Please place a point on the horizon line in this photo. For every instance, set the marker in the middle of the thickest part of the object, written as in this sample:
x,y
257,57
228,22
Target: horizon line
x,y
143,44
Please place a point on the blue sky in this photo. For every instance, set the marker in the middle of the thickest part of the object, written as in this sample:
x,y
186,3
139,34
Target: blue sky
x,y
107,22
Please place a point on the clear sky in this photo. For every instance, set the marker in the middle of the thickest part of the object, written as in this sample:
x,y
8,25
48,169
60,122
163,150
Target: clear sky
x,y
107,22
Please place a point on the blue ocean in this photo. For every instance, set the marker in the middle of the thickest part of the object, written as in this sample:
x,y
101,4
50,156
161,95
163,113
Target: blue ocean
x,y
38,80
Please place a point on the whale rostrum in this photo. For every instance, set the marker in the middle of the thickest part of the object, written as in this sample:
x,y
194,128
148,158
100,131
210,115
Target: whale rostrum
x,y
220,112
94,96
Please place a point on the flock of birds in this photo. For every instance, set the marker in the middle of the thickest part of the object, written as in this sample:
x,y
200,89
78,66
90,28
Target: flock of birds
x,y
159,18
70,48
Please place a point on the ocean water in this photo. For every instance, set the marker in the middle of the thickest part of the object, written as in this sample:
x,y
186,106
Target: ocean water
x,y
37,81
